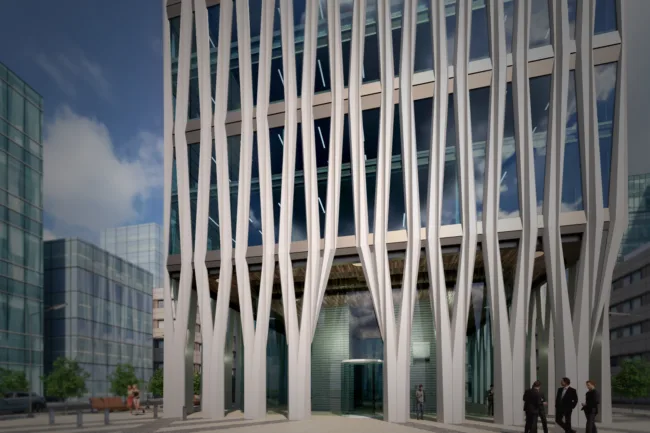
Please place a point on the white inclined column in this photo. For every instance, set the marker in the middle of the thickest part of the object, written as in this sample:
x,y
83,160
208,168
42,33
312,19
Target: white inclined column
x,y
181,308
618,220
214,377
437,288
503,347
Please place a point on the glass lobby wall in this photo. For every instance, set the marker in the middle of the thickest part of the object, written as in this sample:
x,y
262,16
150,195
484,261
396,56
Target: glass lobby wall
x,y
348,351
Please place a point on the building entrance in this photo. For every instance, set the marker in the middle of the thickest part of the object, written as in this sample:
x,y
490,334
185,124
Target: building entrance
x,y
362,390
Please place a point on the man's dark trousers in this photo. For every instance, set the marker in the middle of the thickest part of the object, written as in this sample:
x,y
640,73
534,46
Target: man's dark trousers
x,y
531,422
563,418
542,417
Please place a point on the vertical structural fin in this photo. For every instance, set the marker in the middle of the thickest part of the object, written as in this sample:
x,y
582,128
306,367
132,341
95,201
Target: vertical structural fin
x,y
527,203
503,365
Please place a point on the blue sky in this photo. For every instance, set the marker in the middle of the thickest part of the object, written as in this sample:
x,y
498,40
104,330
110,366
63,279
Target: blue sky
x,y
98,66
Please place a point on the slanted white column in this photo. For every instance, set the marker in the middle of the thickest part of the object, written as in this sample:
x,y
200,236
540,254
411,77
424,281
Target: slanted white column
x,y
180,308
254,329
503,346
465,161
298,335
565,348
438,289
214,377
528,211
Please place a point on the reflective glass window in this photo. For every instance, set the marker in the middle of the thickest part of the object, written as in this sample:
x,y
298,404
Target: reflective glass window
x,y
572,177
509,188
479,43
479,101
606,76
540,98
451,205
540,24
606,19
573,13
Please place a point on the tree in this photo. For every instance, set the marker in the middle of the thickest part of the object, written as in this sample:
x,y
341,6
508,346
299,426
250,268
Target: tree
x,y
67,379
12,380
633,381
197,383
156,383
122,377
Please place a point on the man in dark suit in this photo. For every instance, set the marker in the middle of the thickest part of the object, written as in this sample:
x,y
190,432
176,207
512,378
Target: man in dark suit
x,y
590,406
566,400
533,403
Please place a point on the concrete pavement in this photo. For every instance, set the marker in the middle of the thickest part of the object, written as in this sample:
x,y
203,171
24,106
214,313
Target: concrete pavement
x,y
277,423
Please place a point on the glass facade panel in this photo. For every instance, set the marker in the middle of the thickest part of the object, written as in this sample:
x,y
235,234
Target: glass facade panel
x,y
479,101
606,16
572,177
540,98
606,98
540,24
509,189
451,205
21,285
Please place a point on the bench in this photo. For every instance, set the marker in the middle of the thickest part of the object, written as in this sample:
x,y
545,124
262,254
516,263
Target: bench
x,y
110,403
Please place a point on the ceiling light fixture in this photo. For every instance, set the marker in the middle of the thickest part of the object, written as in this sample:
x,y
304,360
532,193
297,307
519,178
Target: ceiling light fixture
x,y
539,254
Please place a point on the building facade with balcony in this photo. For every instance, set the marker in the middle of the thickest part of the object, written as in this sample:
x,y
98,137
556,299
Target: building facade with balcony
x,y
391,193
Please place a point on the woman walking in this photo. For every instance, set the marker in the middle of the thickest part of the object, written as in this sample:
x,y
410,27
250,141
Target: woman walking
x,y
129,398
136,398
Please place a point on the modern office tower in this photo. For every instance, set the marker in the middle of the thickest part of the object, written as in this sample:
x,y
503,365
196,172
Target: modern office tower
x,y
107,316
391,193
638,230
140,244
21,228
629,308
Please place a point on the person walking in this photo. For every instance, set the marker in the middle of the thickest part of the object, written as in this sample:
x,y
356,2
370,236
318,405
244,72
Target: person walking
x,y
590,406
542,412
129,398
532,404
136,398
490,400
566,400
420,399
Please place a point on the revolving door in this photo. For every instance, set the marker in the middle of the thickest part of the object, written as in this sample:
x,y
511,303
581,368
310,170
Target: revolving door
x,y
362,390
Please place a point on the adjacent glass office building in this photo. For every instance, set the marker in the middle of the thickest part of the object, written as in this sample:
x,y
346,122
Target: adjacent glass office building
x,y
449,193
107,319
638,230
139,244
21,227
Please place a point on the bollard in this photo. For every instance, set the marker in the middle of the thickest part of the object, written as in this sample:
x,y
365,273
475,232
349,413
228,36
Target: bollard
x,y
106,415
184,414
51,416
155,411
80,422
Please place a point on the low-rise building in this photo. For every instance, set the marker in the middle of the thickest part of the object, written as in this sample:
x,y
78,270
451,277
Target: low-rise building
x,y
107,318
630,309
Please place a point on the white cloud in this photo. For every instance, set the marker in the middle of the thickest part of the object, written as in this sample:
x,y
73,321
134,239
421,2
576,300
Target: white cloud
x,y
48,235
68,70
60,78
87,187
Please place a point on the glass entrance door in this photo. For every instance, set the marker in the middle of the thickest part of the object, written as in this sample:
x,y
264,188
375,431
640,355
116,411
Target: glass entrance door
x,y
362,391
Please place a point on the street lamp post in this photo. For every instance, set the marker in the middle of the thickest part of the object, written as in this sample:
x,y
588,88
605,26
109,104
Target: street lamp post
x,y
29,331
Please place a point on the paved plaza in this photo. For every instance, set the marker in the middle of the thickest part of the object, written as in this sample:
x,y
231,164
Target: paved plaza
x,y
277,423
